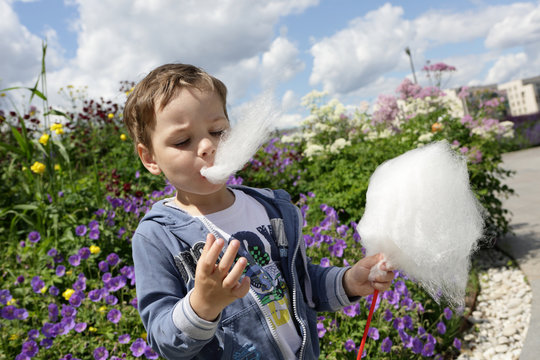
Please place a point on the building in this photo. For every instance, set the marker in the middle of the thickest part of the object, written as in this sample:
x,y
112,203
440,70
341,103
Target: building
x,y
523,95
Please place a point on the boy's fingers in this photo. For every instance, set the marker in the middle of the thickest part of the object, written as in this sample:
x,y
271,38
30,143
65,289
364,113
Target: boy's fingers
x,y
211,255
370,261
228,258
210,238
242,288
387,278
231,280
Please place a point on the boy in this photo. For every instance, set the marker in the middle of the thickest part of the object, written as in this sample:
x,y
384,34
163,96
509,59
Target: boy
x,y
248,291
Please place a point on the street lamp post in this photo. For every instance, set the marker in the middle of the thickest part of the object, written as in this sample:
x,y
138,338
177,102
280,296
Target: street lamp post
x,y
408,52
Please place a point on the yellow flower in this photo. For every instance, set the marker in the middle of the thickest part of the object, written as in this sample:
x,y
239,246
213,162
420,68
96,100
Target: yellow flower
x,y
57,167
14,337
44,139
69,272
67,294
70,86
92,329
43,290
129,91
94,249
123,137
102,309
57,128
38,167
110,116
144,335
11,302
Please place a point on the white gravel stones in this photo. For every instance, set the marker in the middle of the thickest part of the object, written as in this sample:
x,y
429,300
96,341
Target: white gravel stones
x,y
502,312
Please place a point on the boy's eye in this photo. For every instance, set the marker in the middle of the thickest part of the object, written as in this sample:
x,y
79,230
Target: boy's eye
x,y
217,133
182,143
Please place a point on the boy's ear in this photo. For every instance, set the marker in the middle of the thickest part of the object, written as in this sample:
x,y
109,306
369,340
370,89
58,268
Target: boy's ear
x,y
147,158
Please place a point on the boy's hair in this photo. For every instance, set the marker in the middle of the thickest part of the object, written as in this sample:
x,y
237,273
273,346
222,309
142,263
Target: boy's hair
x,y
162,84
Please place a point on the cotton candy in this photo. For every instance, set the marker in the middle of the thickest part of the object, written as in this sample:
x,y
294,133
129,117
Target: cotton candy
x,y
252,129
423,216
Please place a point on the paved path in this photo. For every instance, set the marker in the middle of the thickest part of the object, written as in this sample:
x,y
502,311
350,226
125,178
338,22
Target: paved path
x,y
524,245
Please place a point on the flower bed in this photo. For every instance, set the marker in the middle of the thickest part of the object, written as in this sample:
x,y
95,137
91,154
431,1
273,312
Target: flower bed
x,y
73,193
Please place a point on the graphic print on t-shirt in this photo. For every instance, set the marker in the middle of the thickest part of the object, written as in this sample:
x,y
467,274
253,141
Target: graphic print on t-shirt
x,y
266,279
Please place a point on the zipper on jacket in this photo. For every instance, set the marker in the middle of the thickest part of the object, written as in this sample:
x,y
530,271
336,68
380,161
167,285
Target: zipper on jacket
x,y
267,316
294,294
211,227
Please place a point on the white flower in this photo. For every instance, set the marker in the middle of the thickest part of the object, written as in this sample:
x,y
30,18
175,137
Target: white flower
x,y
320,127
293,138
424,138
506,129
313,149
480,131
338,145
385,133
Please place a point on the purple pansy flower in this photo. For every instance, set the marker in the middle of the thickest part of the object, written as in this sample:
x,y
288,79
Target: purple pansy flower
x,y
80,327
37,284
386,345
34,237
81,230
114,316
138,347
124,339
101,353
350,345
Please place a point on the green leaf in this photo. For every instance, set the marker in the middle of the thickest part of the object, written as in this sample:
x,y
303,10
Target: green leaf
x,y
22,141
25,207
11,148
57,112
62,151
34,91
40,147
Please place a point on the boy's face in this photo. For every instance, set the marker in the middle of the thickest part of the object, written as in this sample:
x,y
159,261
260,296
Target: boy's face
x,y
185,139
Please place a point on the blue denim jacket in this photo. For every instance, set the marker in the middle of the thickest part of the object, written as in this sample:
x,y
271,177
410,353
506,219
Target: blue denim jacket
x,y
166,246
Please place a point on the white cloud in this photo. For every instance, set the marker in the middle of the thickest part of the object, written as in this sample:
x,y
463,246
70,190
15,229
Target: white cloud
x,y
290,101
125,39
288,121
519,27
240,77
280,63
358,55
364,58
508,67
20,49
442,27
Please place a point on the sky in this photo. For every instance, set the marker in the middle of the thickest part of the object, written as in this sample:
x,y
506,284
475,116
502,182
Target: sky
x,y
351,49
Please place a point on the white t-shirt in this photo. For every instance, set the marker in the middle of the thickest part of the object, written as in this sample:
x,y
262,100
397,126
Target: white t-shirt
x,y
246,220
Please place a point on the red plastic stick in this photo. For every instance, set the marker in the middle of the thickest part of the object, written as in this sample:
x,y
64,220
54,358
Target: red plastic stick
x,y
371,309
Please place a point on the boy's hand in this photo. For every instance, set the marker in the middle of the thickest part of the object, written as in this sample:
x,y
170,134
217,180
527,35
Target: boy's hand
x,y
216,286
355,280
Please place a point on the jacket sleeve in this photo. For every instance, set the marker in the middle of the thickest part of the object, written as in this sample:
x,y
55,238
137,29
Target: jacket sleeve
x,y
328,291
174,330
324,285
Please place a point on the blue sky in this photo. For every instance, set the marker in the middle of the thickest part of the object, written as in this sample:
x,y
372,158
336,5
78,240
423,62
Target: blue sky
x,y
352,49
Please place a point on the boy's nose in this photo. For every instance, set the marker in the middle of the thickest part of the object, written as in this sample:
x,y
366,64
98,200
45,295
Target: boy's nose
x,y
206,147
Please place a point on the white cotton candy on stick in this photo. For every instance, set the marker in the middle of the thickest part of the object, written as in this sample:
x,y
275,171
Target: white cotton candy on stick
x,y
423,216
242,141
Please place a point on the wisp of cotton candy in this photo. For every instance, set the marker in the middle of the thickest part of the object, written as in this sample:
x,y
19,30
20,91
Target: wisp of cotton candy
x,y
423,216
242,141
